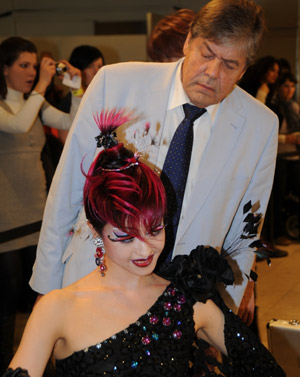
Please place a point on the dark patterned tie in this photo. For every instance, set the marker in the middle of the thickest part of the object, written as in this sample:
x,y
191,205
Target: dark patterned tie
x,y
175,171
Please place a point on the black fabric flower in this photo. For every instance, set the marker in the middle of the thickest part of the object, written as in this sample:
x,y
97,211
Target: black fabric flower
x,y
106,141
19,372
198,272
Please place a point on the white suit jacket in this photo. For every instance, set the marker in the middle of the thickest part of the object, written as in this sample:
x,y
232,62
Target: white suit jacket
x,y
237,166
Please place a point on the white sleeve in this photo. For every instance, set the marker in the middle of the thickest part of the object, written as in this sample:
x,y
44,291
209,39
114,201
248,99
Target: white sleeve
x,y
258,191
25,118
64,200
55,118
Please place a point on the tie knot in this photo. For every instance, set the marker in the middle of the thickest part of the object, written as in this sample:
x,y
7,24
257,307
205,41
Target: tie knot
x,y
192,112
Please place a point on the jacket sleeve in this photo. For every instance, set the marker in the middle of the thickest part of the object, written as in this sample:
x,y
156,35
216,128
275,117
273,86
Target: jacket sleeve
x,y
258,192
64,201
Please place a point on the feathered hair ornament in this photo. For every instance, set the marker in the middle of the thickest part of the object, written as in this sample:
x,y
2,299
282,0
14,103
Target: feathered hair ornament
x,y
108,122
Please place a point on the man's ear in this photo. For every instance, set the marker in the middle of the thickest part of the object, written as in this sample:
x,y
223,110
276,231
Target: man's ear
x,y
186,44
242,74
94,232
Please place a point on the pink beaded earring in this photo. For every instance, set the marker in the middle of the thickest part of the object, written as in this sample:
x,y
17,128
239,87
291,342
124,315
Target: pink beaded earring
x,y
99,255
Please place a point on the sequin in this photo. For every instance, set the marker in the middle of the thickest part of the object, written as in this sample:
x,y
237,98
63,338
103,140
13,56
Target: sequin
x,y
171,291
167,305
155,336
177,307
177,334
146,340
148,353
98,346
134,364
181,299
167,321
153,319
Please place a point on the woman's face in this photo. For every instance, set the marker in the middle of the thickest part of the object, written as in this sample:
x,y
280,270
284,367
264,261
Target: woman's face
x,y
286,91
272,74
21,74
136,256
89,72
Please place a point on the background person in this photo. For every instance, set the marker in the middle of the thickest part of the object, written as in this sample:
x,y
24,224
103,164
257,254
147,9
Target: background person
x,y
287,173
165,43
89,60
260,79
23,183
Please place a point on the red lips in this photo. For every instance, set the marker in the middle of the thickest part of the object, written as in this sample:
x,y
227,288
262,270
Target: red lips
x,y
143,262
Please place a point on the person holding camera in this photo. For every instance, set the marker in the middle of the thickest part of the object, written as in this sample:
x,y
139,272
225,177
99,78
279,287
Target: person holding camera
x,y
23,110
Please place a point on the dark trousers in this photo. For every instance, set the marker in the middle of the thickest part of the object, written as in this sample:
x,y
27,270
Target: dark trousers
x,y
15,295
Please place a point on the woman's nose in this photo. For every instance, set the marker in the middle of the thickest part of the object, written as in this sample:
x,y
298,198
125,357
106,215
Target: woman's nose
x,y
144,249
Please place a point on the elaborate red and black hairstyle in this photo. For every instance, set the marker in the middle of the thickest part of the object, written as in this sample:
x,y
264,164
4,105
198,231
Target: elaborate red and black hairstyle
x,y
119,188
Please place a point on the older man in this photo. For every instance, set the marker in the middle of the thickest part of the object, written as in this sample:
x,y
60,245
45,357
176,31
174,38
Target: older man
x,y
233,145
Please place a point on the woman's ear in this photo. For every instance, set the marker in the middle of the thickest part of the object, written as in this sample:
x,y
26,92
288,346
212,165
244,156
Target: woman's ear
x,y
94,232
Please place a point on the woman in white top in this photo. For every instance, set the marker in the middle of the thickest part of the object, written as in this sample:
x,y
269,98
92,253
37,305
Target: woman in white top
x,y
23,109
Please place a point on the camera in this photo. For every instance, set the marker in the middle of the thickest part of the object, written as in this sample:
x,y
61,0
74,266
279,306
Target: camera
x,y
61,69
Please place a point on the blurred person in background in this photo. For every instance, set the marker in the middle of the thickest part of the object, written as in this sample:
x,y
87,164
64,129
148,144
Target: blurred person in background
x,y
23,109
287,173
260,79
167,38
89,60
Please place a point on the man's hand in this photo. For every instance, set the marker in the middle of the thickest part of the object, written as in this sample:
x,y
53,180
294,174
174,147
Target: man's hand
x,y
246,309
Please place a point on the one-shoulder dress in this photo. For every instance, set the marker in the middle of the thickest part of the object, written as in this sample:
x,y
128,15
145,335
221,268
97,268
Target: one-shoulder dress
x,y
162,342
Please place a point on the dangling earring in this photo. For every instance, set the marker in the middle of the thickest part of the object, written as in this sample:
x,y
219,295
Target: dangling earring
x,y
99,255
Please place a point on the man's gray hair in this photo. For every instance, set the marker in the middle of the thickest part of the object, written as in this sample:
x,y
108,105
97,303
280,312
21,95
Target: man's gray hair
x,y
231,21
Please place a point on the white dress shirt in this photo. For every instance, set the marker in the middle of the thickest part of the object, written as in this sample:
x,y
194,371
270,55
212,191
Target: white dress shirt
x,y
202,130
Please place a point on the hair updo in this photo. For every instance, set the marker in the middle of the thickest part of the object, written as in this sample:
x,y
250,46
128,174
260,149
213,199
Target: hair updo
x,y
124,192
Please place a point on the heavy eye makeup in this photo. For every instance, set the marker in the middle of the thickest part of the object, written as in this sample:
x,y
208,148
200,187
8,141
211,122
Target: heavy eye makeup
x,y
119,236
156,231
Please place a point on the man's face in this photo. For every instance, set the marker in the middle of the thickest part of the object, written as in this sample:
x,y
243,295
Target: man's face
x,y
211,70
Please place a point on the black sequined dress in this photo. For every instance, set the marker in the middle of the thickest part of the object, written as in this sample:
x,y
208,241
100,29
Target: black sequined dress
x,y
162,342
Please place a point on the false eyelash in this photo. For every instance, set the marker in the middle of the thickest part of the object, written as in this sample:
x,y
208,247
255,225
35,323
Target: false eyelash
x,y
120,238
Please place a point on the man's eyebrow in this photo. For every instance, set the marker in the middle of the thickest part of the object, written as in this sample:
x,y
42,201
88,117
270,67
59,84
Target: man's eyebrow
x,y
230,61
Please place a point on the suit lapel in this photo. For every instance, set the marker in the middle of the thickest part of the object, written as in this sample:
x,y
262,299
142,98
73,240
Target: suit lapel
x,y
222,142
154,101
